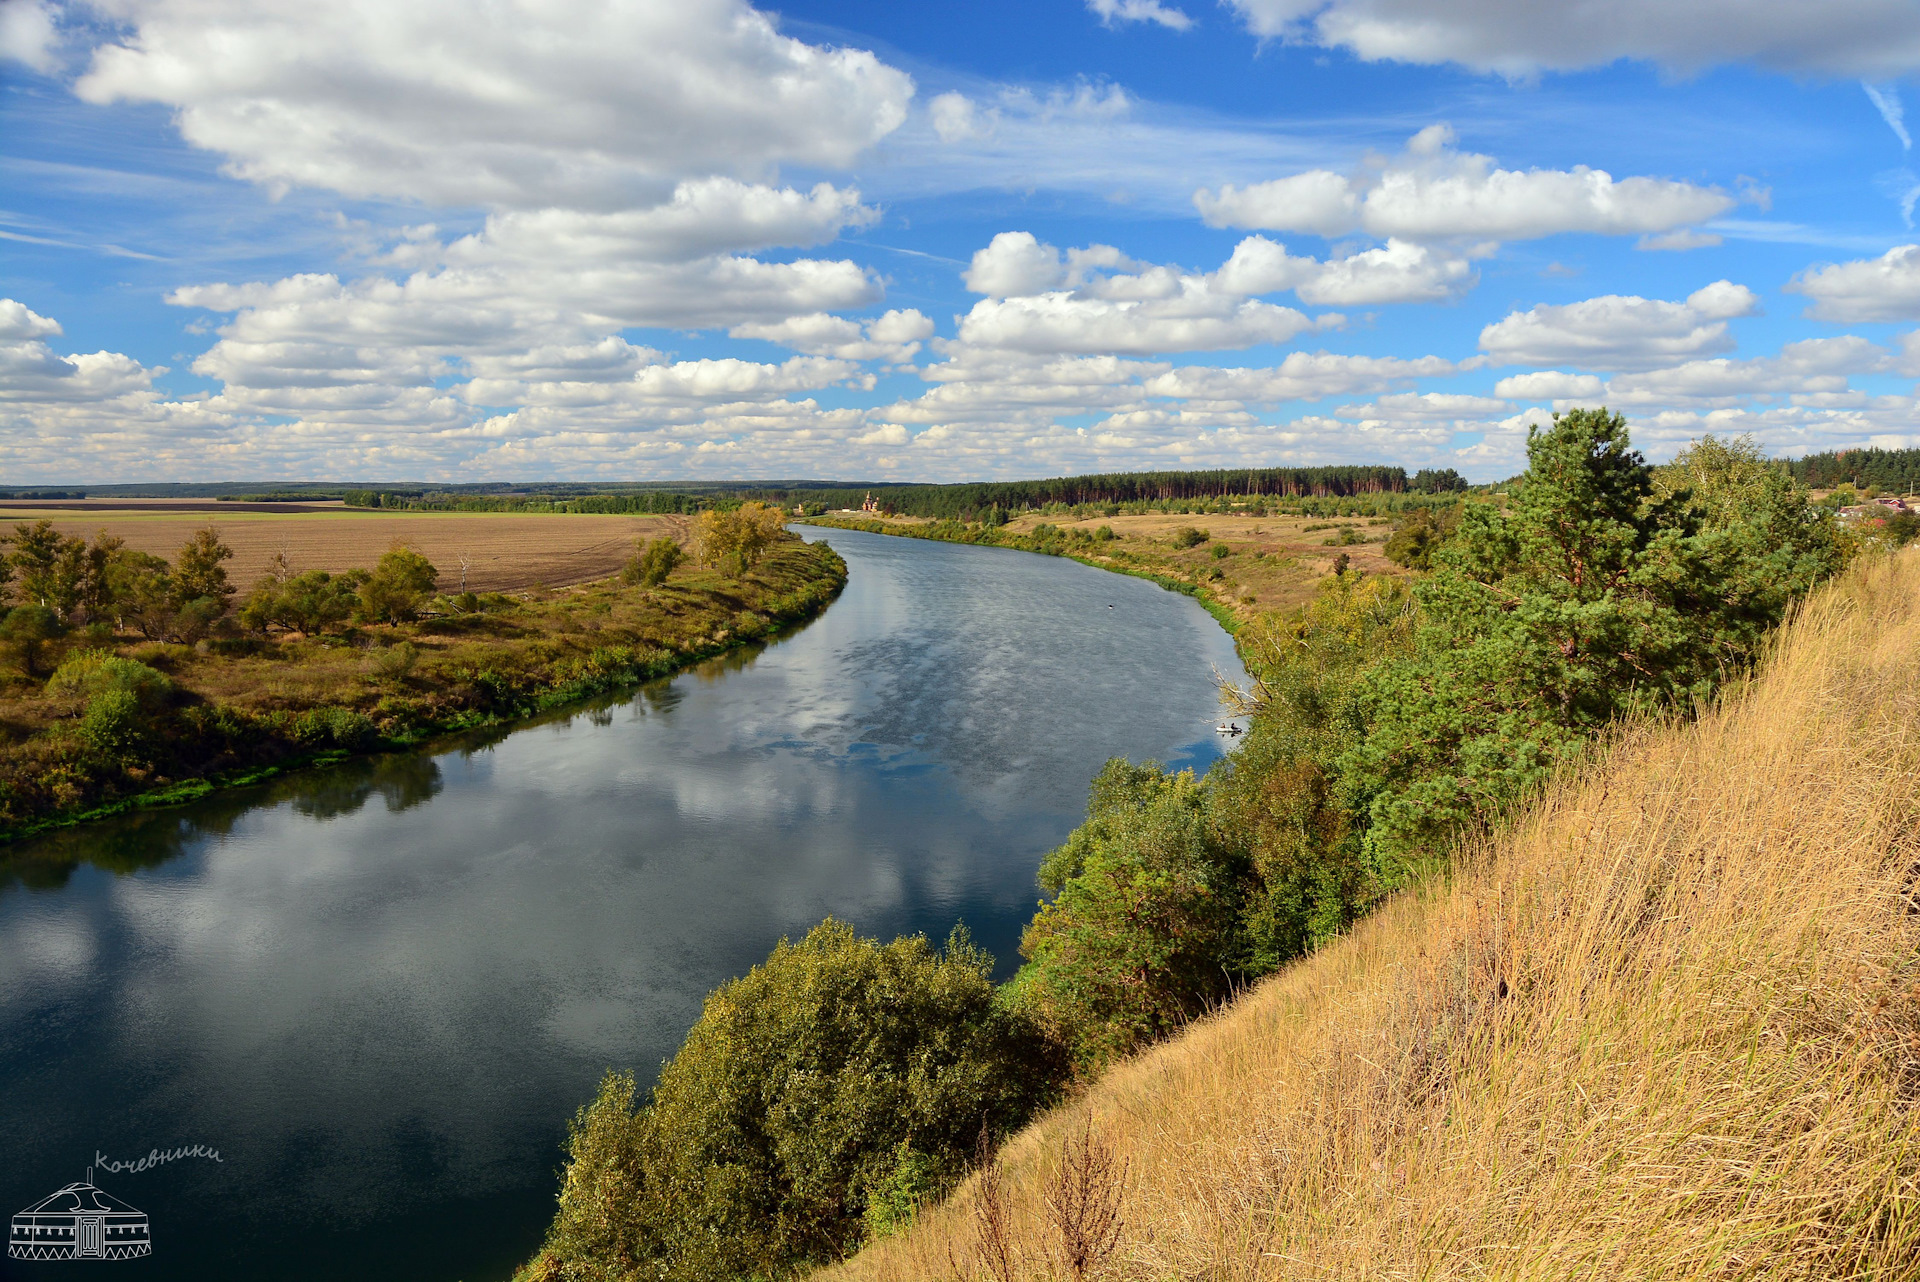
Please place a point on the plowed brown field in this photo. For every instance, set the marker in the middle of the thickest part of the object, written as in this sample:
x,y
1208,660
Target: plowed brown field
x,y
505,551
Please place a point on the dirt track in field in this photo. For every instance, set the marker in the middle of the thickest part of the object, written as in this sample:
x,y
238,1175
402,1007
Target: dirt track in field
x,y
505,551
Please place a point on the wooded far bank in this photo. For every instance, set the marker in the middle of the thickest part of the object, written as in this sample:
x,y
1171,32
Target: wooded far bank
x,y
132,680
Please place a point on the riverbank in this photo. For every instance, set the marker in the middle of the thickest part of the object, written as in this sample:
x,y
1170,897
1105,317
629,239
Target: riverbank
x,y
1240,567
232,712
1698,944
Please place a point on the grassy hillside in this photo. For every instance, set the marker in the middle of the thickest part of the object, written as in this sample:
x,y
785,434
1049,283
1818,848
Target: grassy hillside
x,y
1667,1026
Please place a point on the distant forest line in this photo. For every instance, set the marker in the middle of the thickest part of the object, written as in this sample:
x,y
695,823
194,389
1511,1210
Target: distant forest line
x,y
1891,470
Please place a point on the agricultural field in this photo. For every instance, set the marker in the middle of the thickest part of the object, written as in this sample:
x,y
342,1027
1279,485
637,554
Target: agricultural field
x,y
503,551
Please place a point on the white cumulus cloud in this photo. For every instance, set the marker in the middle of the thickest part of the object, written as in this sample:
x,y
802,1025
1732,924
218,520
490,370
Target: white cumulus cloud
x,y
1197,319
1886,288
1871,38
18,321
1620,331
1302,376
1434,191
1115,11
957,118
1018,265
1549,385
594,104
1399,272
27,34
894,337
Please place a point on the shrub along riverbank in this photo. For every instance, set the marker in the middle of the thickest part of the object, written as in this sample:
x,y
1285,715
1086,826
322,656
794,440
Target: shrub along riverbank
x,y
1389,724
139,683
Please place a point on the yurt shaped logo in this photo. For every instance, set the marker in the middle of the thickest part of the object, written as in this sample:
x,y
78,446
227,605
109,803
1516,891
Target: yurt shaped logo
x,y
80,1222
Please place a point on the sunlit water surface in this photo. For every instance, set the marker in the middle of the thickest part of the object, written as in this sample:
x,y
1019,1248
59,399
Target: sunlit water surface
x,y
380,990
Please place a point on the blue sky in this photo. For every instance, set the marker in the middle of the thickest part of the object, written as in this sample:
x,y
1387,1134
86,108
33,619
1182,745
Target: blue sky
x,y
640,239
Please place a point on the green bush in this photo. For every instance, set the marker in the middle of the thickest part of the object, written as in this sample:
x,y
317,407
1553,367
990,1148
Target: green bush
x,y
30,629
1419,534
1221,551
93,672
895,1201
649,566
1145,909
394,662
332,727
399,586
783,1117
1189,537
312,602
115,726
124,701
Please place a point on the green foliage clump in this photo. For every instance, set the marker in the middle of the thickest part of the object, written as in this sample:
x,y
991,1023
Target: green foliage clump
x,y
649,566
123,701
29,629
1221,551
1418,534
311,602
1189,537
1146,904
799,1097
394,662
1591,597
735,540
401,582
333,727
116,727
198,573
93,672
894,1202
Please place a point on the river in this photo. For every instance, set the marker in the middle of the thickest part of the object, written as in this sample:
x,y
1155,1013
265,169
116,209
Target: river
x,y
379,990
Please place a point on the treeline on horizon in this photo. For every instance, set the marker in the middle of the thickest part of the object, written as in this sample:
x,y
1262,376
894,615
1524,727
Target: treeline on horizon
x,y
1882,468
963,501
1895,470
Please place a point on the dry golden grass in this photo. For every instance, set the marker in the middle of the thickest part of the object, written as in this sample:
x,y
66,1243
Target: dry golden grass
x,y
1666,1028
505,551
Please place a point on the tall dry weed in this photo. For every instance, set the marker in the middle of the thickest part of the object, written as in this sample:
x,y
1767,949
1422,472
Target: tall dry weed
x,y
1666,1027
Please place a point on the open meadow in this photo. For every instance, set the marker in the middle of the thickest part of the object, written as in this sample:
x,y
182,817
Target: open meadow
x,y
1250,565
503,551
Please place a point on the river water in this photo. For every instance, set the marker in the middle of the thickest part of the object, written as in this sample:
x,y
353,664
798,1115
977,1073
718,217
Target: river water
x,y
379,990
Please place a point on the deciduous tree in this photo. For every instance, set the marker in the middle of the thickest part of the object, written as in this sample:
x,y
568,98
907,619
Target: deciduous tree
x,y
786,1111
399,586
